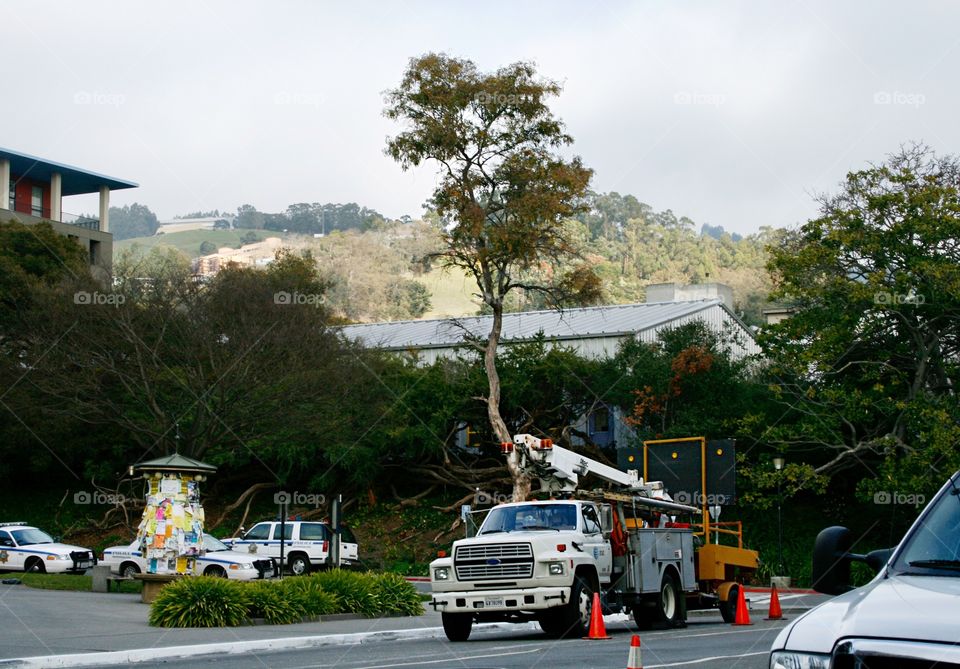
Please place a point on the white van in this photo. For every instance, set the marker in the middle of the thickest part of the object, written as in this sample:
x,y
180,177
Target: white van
x,y
306,544
908,617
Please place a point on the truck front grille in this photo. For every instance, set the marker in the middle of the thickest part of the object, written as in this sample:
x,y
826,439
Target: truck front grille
x,y
493,561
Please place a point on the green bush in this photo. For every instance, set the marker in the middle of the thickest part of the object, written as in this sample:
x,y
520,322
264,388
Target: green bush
x,y
273,603
354,591
202,601
307,593
207,601
396,595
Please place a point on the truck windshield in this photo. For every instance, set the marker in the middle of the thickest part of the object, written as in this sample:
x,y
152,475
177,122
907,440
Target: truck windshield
x,y
933,548
530,517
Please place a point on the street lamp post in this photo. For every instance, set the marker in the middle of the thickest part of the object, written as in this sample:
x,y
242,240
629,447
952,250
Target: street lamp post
x,y
778,466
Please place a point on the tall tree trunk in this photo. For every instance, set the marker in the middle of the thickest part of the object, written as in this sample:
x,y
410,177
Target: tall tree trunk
x,y
521,483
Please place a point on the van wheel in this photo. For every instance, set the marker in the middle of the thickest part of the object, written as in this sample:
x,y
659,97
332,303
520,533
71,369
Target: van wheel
x,y
728,609
299,564
457,626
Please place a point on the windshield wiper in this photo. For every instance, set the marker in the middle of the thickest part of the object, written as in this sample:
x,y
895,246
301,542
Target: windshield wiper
x,y
936,564
493,531
541,527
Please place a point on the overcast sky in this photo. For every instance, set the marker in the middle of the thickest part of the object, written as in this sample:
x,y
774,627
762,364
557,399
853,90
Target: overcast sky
x,y
733,114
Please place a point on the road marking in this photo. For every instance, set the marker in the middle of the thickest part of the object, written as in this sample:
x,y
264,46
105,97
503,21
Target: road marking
x,y
449,659
706,659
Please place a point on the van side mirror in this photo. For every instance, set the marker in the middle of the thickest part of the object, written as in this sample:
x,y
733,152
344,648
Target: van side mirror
x,y
832,558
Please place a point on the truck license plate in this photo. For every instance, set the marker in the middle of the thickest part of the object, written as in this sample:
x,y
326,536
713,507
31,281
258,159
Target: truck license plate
x,y
85,564
492,603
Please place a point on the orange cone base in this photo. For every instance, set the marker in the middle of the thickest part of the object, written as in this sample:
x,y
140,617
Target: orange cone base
x,y
775,612
597,629
743,614
633,660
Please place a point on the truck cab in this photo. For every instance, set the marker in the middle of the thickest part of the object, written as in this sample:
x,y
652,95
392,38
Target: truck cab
x,y
906,617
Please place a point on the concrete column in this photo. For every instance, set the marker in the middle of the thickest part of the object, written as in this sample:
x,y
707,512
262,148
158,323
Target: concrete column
x,y
4,183
104,208
56,182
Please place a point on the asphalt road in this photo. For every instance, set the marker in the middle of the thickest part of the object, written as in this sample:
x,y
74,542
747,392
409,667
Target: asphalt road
x,y
704,644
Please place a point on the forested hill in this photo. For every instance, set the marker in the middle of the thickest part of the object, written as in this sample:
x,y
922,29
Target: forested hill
x,y
630,244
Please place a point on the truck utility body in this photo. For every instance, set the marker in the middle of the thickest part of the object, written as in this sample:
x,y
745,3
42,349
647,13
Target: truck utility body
x,y
544,560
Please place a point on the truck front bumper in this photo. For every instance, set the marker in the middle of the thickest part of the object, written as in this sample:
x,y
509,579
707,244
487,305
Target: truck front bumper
x,y
518,599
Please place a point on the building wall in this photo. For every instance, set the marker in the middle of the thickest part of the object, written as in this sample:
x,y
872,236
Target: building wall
x,y
24,195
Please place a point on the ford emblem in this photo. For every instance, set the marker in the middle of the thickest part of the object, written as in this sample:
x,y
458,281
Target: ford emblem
x,y
493,562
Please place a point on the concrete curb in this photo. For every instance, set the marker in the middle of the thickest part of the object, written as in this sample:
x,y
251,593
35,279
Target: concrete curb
x,y
137,655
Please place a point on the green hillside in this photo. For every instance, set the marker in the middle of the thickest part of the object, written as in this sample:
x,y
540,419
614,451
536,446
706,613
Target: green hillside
x,y
189,241
451,294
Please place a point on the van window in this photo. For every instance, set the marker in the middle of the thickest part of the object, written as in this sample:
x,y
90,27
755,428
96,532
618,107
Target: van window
x,y
313,532
259,532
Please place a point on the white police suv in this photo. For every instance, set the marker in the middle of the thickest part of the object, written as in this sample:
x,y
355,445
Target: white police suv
x,y
26,548
217,560
306,544
908,617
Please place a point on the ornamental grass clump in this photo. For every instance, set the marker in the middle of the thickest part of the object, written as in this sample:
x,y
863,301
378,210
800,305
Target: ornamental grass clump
x,y
396,595
202,601
273,603
307,593
354,591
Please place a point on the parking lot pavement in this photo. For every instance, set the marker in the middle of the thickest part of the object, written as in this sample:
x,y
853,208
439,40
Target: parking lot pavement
x,y
52,623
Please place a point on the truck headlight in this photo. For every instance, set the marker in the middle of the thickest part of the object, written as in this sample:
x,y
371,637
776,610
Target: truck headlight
x,y
441,573
556,569
784,659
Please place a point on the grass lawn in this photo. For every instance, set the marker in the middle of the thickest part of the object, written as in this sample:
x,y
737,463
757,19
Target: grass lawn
x,y
69,582
450,293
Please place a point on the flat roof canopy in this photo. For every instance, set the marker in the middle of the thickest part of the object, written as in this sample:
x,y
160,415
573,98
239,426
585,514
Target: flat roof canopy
x,y
74,181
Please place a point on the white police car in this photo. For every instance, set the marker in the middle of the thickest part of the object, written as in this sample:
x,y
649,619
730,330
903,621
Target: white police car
x,y
26,548
306,544
217,560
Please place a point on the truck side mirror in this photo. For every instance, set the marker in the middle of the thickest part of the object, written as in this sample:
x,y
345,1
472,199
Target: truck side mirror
x,y
831,561
606,520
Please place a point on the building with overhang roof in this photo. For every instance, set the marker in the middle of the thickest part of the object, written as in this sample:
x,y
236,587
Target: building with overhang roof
x,y
35,189
593,332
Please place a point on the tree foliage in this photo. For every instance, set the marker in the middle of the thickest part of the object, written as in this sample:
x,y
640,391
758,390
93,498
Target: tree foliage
x,y
504,191
868,364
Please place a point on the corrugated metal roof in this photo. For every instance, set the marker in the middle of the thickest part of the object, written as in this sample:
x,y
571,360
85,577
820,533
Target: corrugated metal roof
x,y
567,324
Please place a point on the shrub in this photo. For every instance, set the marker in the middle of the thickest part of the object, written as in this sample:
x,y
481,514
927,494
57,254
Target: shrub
x,y
396,595
273,603
202,601
354,590
307,593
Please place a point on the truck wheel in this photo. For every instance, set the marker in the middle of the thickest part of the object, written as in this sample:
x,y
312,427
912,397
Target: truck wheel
x,y
457,625
728,609
670,601
299,564
573,618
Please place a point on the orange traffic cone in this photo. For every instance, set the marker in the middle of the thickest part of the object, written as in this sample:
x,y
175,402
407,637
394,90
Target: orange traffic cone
x,y
633,660
775,612
743,615
597,629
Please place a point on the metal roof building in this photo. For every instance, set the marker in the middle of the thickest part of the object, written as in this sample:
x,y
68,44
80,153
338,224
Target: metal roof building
x,y
590,331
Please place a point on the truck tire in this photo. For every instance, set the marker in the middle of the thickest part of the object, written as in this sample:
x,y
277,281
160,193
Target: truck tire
x,y
667,607
457,626
670,601
571,620
299,564
728,609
